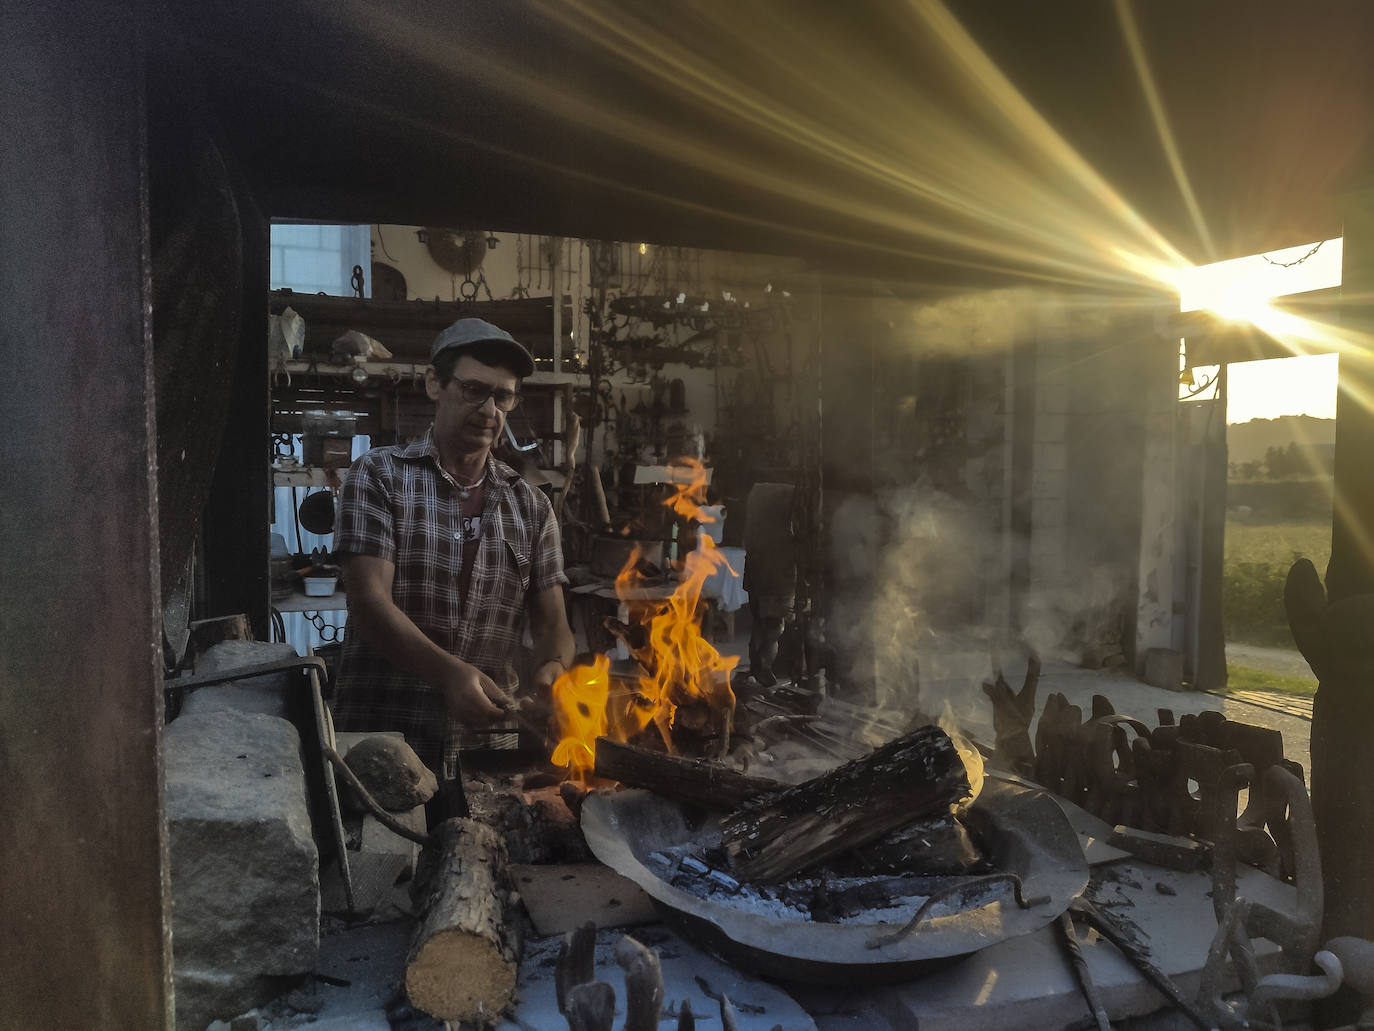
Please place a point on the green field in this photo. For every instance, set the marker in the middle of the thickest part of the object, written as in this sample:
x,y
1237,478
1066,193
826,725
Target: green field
x,y
1242,678
1258,557
1279,543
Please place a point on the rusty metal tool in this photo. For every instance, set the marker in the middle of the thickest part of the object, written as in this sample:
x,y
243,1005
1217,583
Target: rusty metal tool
x,y
1106,926
1069,940
965,887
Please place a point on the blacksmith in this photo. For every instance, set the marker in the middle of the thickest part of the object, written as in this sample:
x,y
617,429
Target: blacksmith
x,y
445,550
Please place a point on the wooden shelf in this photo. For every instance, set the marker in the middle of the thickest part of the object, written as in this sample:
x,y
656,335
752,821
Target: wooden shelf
x,y
299,601
390,370
307,476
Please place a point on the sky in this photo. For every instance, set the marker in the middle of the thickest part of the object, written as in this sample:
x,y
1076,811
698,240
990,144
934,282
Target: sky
x,y
1241,287
1282,386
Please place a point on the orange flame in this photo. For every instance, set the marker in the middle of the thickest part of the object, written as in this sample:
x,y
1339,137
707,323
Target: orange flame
x,y
687,668
685,682
579,699
691,494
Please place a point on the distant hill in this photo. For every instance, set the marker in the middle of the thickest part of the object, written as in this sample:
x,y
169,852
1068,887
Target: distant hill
x,y
1248,441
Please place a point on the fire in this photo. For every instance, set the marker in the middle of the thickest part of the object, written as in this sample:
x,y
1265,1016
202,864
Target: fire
x,y
973,759
688,673
579,698
684,681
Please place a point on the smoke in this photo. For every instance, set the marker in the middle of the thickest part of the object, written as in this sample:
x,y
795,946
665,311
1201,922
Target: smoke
x,y
993,321
1082,618
921,610
909,563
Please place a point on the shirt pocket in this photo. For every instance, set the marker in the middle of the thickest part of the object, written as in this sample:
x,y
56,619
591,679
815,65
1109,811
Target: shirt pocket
x,y
518,553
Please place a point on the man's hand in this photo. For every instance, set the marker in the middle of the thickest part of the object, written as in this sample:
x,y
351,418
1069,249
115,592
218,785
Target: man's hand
x,y
545,675
473,697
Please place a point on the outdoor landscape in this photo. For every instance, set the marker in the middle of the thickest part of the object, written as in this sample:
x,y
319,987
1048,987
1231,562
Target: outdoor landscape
x,y
1278,500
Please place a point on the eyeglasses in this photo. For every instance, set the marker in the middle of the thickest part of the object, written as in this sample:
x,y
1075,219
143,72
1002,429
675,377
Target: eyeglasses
x,y
475,392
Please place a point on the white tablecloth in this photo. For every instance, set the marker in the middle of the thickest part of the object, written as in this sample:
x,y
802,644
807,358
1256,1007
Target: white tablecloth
x,y
726,584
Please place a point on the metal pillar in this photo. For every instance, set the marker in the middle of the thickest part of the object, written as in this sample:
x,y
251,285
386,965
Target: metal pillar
x,y
83,859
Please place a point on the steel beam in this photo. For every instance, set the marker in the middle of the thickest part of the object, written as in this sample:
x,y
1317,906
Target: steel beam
x,y
83,894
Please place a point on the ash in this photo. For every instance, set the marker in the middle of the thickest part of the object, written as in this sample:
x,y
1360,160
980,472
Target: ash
x,y
820,898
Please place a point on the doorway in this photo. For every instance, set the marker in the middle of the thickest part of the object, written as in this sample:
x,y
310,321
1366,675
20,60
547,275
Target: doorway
x,y
1280,436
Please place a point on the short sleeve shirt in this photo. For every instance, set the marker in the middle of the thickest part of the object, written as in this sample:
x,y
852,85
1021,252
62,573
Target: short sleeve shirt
x,y
398,504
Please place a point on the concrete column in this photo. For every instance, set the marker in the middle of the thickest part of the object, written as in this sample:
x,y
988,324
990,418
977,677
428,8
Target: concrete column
x,y
1155,591
83,904
1049,476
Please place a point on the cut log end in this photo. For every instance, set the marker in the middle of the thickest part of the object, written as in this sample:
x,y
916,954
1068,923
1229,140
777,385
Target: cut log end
x,y
456,975
465,954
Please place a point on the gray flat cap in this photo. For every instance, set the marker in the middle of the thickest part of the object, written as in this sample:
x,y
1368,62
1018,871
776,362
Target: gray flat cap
x,y
465,333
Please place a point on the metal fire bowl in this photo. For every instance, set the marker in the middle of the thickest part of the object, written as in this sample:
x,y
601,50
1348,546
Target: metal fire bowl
x,y
1023,830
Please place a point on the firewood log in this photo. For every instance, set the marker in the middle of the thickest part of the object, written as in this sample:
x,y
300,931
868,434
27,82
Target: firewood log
x,y
466,950
776,836
700,782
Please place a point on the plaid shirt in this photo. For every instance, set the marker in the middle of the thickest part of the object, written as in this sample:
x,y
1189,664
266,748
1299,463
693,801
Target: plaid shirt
x,y
398,504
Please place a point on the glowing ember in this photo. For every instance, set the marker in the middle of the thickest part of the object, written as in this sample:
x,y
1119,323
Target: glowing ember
x,y
684,681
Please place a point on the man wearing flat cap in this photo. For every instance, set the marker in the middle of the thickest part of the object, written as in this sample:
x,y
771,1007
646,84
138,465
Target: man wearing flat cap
x,y
445,550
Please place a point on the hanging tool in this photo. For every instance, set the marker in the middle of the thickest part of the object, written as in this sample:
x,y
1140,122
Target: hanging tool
x,y
510,436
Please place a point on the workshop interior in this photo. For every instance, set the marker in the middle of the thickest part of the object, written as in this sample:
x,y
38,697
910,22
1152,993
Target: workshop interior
x,y
955,417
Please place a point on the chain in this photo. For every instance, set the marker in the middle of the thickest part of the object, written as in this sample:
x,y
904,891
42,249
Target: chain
x,y
329,633
469,287
1296,261
521,290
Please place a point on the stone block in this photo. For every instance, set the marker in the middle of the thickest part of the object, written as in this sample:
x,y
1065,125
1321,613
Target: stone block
x,y
377,837
1053,400
392,773
244,867
1164,668
1051,428
265,694
1052,457
1049,484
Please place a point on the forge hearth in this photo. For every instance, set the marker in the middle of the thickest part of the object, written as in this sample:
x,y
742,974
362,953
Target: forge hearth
x,y
1023,830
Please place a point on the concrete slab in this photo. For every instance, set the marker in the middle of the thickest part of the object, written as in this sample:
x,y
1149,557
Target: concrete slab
x,y
562,898
361,969
1027,982
687,974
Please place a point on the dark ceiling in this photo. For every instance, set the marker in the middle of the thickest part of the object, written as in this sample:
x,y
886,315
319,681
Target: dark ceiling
x,y
868,136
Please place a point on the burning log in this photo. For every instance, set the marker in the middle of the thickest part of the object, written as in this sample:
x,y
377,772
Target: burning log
x,y
465,954
938,844
696,781
776,836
